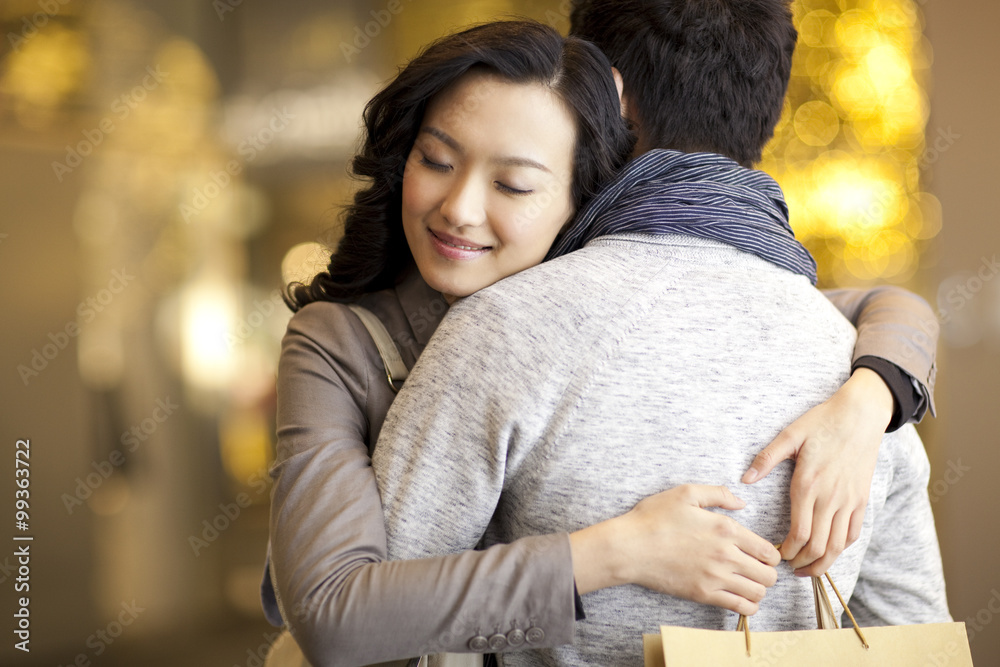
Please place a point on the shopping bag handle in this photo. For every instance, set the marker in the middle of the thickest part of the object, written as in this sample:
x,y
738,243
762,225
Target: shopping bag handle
x,y
824,608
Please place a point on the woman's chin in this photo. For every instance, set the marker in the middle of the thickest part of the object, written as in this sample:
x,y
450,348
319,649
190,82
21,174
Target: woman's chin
x,y
453,288
450,290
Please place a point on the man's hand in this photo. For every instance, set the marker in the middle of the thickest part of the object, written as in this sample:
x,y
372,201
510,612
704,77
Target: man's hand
x,y
835,448
671,544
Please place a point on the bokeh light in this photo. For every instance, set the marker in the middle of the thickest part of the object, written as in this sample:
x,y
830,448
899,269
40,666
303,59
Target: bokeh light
x,y
849,149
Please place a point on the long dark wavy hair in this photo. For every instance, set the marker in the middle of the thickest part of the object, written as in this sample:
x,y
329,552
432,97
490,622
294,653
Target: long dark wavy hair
x,y
373,253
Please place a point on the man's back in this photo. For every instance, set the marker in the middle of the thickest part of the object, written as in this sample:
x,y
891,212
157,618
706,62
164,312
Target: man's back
x,y
635,365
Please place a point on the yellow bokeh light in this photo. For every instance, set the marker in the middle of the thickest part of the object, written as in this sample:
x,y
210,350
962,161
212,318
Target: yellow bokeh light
x,y
245,443
44,72
849,148
887,68
857,32
816,29
816,123
855,92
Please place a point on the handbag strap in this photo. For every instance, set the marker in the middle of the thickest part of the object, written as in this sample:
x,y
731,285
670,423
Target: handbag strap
x,y
825,616
395,369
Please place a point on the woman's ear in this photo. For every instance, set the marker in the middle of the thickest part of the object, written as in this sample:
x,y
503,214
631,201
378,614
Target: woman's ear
x,y
620,85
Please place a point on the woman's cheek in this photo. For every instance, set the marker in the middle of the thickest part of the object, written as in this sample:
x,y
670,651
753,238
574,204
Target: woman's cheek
x,y
534,218
414,192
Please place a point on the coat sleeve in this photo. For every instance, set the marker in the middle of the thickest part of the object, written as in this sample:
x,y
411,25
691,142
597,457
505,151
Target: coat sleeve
x,y
898,326
344,603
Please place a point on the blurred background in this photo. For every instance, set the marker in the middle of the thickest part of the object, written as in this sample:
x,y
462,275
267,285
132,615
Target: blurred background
x,y
166,166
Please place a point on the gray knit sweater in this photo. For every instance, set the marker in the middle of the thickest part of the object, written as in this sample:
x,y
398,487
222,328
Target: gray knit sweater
x,y
563,395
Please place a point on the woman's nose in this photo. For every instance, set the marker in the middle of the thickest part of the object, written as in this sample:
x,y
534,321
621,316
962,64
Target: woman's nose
x,y
465,204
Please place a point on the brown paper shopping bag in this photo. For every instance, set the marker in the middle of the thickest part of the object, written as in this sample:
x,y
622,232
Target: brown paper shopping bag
x,y
929,645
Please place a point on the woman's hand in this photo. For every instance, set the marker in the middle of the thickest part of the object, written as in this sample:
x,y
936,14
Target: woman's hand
x,y
671,544
835,448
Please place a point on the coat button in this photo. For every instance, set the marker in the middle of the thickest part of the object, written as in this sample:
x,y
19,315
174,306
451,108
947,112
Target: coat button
x,y
479,643
498,642
515,638
534,635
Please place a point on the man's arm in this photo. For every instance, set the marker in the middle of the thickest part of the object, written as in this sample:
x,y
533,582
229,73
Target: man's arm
x,y
901,579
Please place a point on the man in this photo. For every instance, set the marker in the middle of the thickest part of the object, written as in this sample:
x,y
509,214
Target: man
x,y
683,336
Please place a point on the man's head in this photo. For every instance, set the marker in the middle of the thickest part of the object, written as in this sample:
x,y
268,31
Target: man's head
x,y
700,75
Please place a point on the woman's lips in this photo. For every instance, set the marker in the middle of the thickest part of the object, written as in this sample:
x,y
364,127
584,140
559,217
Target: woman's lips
x,y
453,247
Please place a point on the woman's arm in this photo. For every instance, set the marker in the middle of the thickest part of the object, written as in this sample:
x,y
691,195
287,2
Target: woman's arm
x,y
835,444
346,605
673,544
343,604
898,327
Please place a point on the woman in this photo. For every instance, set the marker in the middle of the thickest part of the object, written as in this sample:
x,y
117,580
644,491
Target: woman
x,y
509,128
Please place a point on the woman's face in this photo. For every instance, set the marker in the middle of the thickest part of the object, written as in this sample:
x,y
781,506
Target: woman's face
x,y
487,185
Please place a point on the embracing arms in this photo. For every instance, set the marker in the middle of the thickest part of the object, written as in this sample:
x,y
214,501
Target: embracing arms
x,y
343,602
347,605
835,444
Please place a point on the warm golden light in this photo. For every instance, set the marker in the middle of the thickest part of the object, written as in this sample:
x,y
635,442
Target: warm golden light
x,y
208,317
245,444
303,261
44,72
850,146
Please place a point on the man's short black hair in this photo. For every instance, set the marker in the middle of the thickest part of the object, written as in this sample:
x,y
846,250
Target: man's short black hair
x,y
700,75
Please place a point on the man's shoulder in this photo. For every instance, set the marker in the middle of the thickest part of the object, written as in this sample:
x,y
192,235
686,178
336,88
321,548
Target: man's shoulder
x,y
593,275
570,274
546,305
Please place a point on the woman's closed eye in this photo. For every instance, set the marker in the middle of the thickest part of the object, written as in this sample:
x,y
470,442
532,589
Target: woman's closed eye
x,y
506,189
436,166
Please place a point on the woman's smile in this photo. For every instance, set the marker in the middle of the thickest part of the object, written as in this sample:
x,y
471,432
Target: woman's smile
x,y
453,247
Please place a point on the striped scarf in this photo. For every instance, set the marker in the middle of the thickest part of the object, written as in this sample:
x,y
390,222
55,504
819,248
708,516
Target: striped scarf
x,y
699,194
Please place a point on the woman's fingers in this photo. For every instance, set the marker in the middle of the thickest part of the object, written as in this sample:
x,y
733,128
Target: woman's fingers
x,y
759,550
746,584
737,582
857,523
833,547
760,573
680,547
782,448
801,530
823,515
733,602
703,496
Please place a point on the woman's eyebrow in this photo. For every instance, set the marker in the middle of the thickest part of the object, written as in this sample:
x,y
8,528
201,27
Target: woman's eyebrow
x,y
506,161
443,137
520,162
